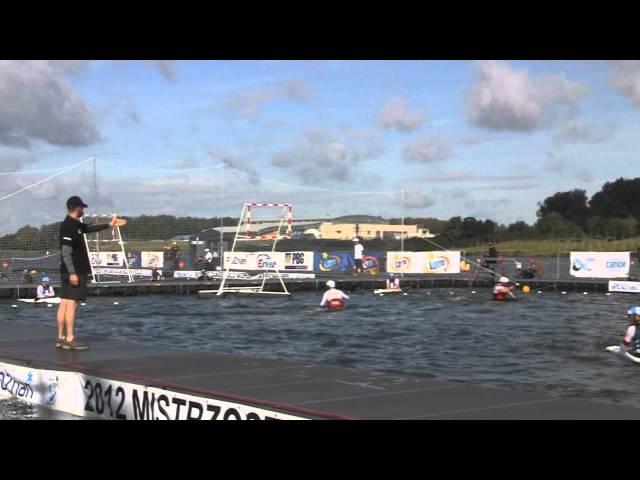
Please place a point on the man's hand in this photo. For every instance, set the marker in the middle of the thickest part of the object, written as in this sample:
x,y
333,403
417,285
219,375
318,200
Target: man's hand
x,y
117,222
73,280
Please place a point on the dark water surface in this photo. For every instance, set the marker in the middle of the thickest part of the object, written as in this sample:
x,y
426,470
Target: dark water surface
x,y
546,342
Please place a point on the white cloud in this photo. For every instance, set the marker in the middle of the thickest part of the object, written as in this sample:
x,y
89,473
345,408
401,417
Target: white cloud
x,y
626,78
12,161
397,114
37,103
415,199
232,160
504,98
427,150
441,177
331,155
167,69
573,132
249,104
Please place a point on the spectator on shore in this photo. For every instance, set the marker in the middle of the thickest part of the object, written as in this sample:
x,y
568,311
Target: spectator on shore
x,y
155,274
492,257
26,276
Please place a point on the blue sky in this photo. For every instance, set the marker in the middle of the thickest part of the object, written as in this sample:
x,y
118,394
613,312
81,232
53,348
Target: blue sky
x,y
488,138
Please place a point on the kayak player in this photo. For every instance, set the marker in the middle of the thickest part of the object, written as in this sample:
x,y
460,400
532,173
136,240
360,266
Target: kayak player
x,y
631,339
393,282
45,290
333,298
503,288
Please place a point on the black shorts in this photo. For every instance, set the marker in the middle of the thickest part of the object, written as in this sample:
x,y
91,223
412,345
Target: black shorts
x,y
358,262
69,292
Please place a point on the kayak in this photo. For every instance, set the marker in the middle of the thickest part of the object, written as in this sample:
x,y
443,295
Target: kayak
x,y
42,300
387,290
626,354
336,304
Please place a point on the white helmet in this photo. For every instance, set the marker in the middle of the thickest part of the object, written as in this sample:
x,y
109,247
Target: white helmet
x,y
355,239
331,284
503,280
206,249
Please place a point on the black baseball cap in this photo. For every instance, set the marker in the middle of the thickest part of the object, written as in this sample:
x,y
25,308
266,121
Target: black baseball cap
x,y
75,202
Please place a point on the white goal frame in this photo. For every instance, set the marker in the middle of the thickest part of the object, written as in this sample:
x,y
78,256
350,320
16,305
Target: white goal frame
x,y
245,216
116,236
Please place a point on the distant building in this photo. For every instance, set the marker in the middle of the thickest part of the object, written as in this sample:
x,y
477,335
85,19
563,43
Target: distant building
x,y
365,227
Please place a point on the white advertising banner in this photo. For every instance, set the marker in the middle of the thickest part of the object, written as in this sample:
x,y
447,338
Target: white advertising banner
x,y
600,264
136,272
423,262
233,275
107,259
152,259
624,287
283,261
89,396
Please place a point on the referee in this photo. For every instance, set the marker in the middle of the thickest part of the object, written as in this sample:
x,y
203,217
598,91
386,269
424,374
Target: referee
x,y
74,269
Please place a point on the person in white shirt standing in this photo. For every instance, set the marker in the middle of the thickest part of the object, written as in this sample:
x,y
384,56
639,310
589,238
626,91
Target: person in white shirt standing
x,y
45,290
358,253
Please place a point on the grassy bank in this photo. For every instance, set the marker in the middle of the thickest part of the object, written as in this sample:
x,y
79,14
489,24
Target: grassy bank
x,y
550,247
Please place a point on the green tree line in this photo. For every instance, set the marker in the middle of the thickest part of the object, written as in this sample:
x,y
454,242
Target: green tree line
x,y
613,213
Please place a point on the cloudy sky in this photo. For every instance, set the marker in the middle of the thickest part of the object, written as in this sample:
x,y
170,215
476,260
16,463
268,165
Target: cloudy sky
x,y
468,138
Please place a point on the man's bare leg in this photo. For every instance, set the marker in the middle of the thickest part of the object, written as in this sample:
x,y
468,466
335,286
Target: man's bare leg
x,y
60,317
70,319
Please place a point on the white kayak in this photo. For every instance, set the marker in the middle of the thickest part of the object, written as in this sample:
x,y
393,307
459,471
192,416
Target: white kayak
x,y
42,300
626,354
387,290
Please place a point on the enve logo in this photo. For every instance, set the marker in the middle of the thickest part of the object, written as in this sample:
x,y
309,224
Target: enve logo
x,y
264,261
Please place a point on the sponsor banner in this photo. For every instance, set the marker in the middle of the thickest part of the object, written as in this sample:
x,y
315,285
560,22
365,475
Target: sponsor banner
x,y
107,259
298,261
283,261
233,275
253,260
187,274
341,261
126,401
133,259
136,272
599,264
423,262
402,262
441,262
40,387
624,287
89,396
152,259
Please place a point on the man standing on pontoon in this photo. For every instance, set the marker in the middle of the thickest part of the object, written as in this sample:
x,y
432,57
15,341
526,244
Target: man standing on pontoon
x,y
74,270
358,253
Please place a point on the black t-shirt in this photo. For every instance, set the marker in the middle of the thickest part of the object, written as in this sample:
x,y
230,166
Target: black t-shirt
x,y
71,234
